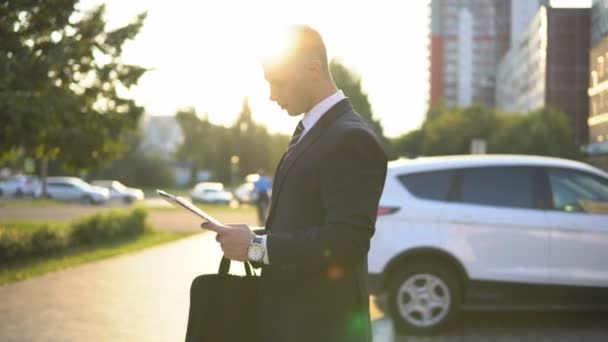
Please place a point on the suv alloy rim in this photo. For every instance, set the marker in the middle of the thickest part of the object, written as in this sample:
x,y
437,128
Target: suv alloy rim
x,y
423,300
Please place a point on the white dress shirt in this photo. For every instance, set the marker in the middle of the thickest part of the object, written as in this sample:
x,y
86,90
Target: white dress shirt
x,y
308,121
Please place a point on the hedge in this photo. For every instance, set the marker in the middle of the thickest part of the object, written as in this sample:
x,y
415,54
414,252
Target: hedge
x,y
43,238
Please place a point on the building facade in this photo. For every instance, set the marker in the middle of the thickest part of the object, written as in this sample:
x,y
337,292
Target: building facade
x,y
522,13
598,79
468,38
548,66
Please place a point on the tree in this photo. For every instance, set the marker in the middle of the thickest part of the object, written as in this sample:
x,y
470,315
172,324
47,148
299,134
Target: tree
x,y
408,145
451,131
350,84
136,167
212,147
198,144
546,132
448,131
60,83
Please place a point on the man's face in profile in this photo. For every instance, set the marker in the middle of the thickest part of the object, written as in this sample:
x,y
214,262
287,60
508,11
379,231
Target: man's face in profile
x,y
288,87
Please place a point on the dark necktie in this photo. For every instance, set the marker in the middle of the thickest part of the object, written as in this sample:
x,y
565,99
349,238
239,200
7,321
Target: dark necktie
x,y
296,136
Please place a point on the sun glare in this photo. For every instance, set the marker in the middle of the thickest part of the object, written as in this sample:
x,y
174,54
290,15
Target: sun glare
x,y
208,55
274,45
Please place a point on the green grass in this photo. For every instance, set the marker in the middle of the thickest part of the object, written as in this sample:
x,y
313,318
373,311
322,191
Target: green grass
x,y
31,225
209,208
150,192
29,202
23,269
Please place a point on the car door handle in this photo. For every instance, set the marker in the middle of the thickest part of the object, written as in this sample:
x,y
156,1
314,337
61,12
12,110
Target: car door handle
x,y
467,219
569,228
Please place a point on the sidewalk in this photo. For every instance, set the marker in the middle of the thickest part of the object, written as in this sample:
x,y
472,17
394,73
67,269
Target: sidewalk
x,y
136,297
139,297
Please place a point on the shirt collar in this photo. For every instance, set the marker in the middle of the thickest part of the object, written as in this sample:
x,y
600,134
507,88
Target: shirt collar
x,y
313,115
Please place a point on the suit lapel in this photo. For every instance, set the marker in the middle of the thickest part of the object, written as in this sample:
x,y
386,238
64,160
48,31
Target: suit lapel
x,y
309,138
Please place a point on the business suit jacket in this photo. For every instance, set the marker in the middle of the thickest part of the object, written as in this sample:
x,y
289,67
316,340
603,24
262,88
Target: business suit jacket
x,y
322,216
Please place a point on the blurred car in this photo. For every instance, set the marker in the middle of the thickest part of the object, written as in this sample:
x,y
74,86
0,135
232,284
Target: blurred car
x,y
211,192
120,192
74,189
489,232
19,185
245,193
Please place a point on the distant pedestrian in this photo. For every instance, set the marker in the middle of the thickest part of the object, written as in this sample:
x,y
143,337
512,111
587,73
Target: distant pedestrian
x,y
262,189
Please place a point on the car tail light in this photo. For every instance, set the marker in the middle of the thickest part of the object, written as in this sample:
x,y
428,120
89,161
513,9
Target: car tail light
x,y
382,210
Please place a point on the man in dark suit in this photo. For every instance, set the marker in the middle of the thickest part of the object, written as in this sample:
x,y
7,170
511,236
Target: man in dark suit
x,y
313,250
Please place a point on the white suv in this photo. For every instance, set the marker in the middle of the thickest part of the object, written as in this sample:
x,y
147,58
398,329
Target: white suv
x,y
489,232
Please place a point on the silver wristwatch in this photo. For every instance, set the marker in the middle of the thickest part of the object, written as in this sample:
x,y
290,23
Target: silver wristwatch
x,y
256,250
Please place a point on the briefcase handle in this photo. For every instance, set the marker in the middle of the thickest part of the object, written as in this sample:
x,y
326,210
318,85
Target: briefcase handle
x,y
225,267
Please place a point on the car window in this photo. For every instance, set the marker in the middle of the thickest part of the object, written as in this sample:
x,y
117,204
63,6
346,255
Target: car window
x,y
576,191
433,185
498,186
60,185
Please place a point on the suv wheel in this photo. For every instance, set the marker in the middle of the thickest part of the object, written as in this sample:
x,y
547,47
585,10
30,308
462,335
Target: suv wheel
x,y
423,298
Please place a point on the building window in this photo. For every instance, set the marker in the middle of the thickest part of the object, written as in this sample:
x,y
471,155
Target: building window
x,y
593,78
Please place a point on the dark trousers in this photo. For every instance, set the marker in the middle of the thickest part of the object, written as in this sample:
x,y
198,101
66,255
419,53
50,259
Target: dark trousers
x,y
262,204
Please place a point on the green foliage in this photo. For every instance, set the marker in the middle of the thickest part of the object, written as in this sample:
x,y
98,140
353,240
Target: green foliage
x,y
409,144
544,132
25,240
137,167
449,131
211,147
18,242
61,75
109,226
350,84
452,131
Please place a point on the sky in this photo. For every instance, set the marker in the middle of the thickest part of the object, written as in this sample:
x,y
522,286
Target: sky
x,y
203,54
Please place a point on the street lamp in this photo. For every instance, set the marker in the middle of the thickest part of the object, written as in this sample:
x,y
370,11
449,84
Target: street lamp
x,y
234,170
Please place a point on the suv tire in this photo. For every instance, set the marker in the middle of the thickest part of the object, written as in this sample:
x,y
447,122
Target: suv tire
x,y
423,297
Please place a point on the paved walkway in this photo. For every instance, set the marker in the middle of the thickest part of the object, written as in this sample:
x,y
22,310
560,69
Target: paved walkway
x,y
135,297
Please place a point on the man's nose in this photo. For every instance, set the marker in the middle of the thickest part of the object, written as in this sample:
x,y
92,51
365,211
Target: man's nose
x,y
273,95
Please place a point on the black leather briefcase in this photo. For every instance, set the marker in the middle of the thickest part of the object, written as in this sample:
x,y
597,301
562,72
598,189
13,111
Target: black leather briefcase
x,y
223,306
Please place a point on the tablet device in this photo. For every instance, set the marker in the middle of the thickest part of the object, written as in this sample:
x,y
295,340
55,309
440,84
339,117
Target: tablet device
x,y
179,201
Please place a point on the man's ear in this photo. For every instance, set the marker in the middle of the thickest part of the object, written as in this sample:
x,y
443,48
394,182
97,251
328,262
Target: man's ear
x,y
316,68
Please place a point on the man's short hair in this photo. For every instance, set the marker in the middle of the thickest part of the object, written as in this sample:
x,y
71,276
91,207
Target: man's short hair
x,y
302,43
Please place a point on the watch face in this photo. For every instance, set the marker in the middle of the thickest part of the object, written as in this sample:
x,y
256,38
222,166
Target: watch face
x,y
255,252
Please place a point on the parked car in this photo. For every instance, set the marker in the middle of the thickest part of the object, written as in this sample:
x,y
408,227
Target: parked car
x,y
120,192
211,192
244,193
74,189
487,232
19,185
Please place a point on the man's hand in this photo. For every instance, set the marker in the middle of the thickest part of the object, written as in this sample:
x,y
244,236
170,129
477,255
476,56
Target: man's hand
x,y
234,239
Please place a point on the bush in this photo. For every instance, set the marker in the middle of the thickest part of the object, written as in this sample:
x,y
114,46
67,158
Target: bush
x,y
109,226
24,240
13,244
18,243
47,239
